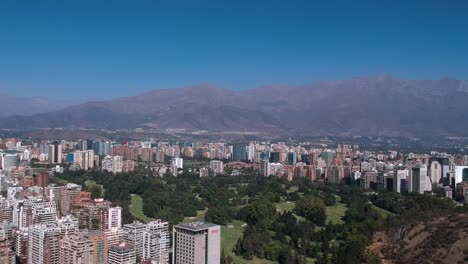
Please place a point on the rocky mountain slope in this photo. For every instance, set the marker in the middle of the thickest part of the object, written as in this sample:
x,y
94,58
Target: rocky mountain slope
x,y
441,240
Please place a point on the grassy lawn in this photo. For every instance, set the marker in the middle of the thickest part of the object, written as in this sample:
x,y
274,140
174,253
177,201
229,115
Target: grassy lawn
x,y
285,206
229,235
292,189
288,206
335,213
136,208
200,217
338,198
90,182
383,213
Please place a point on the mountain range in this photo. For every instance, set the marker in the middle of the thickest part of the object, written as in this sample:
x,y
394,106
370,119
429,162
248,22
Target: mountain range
x,y
17,105
379,106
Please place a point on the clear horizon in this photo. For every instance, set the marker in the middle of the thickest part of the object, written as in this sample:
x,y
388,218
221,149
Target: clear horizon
x,y
98,51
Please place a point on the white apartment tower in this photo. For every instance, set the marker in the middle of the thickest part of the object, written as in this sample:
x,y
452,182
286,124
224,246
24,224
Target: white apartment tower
x,y
36,212
134,235
84,158
68,225
217,166
114,217
178,163
122,253
43,244
55,153
265,168
156,242
112,164
399,177
114,236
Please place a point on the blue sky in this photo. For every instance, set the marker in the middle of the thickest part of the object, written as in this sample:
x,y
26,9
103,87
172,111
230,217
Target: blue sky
x,y
85,49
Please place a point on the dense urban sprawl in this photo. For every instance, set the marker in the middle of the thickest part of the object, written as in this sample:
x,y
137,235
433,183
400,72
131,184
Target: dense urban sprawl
x,y
94,201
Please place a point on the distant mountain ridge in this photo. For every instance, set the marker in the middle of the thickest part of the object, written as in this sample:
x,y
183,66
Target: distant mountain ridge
x,y
16,105
382,105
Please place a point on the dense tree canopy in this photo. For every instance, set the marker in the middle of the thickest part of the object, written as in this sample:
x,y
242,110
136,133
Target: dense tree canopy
x,y
288,236
313,209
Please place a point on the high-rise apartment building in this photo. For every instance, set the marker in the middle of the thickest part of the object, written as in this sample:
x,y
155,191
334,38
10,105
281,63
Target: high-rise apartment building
x,y
274,157
7,256
114,217
122,253
9,161
250,153
461,174
440,171
76,249
82,145
6,211
134,235
68,225
177,163
265,168
68,196
156,242
37,212
239,152
327,156
100,246
112,164
21,244
94,214
217,166
399,181
85,159
334,174
42,179
43,244
196,242
292,158
418,180
55,152
114,236
54,194
435,172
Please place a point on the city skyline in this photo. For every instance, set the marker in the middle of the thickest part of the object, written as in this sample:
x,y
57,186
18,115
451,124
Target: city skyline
x,y
217,132
115,201
87,50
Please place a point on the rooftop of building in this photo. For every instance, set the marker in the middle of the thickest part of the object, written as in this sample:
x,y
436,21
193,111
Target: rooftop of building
x,y
134,224
122,247
195,226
